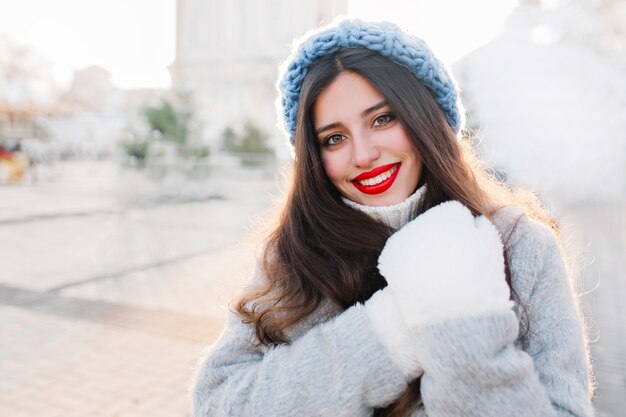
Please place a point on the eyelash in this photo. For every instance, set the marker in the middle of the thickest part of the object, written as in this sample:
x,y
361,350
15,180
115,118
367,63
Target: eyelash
x,y
327,140
389,118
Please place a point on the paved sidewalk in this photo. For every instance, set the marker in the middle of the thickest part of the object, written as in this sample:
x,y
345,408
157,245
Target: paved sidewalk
x,y
107,304
53,364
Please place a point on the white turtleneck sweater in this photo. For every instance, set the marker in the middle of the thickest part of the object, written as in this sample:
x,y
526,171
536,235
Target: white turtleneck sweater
x,y
396,215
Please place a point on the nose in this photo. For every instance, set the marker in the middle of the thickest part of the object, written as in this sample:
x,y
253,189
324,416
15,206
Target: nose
x,y
364,151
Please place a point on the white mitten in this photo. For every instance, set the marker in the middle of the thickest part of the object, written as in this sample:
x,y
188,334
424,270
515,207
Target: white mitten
x,y
444,264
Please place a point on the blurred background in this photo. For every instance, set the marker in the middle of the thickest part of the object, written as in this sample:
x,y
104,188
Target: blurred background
x,y
139,156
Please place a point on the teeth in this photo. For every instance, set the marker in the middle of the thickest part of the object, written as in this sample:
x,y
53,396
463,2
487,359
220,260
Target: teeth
x,y
379,178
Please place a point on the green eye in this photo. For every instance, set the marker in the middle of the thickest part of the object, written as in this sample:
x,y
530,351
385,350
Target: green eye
x,y
333,140
383,119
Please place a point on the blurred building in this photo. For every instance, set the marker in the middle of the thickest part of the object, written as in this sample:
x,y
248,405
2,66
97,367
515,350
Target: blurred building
x,y
20,107
46,121
228,52
92,89
92,115
548,96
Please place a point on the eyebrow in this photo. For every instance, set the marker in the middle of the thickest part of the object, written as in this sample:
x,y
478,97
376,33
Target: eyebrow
x,y
374,108
363,114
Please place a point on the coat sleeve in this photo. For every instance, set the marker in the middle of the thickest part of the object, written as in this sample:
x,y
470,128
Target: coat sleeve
x,y
336,368
474,366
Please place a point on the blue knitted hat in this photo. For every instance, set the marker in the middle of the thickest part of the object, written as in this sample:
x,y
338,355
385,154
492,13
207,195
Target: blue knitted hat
x,y
383,37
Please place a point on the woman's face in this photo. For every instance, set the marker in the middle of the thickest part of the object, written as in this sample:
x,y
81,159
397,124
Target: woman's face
x,y
365,150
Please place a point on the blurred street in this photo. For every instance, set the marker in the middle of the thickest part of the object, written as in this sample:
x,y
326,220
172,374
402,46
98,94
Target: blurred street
x,y
106,306
103,299
597,237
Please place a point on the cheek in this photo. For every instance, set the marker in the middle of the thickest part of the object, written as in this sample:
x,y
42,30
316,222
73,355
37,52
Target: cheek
x,y
402,143
333,166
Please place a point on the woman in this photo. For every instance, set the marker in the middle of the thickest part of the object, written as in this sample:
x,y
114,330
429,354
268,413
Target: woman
x,y
400,280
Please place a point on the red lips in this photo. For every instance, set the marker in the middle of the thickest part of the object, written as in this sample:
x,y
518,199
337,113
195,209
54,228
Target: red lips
x,y
378,188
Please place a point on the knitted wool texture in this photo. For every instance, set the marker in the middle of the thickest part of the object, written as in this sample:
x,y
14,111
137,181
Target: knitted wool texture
x,y
337,364
383,37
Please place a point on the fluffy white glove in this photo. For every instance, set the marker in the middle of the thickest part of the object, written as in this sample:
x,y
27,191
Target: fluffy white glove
x,y
444,264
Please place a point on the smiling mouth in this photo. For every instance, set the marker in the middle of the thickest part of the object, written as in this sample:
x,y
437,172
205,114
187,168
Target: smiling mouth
x,y
377,180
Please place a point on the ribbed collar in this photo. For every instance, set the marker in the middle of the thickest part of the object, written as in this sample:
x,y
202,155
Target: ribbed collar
x,y
396,215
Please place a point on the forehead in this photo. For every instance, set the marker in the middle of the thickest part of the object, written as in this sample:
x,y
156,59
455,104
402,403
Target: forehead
x,y
346,97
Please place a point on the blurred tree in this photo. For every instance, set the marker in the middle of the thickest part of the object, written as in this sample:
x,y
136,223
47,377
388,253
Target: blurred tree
x,y
172,124
169,122
137,151
251,146
229,140
252,140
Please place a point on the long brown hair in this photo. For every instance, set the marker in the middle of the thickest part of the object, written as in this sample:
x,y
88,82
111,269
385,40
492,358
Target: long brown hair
x,y
321,249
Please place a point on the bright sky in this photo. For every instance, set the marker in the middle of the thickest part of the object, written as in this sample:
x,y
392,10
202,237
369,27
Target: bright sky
x,y
135,39
452,28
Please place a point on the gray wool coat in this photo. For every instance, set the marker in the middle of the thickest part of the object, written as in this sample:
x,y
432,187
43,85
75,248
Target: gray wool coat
x,y
473,366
